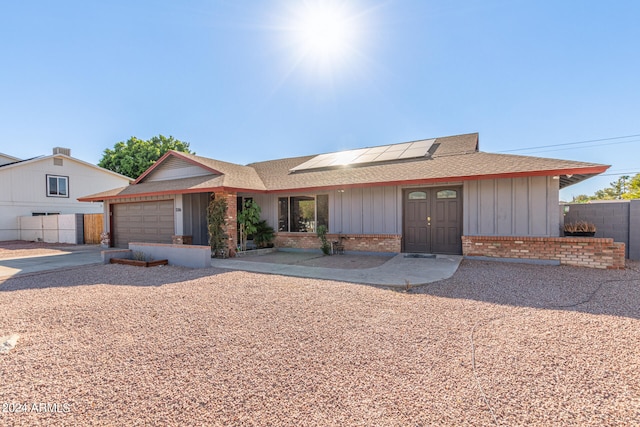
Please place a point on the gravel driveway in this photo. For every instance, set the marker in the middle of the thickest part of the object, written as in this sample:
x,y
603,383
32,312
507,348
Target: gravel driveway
x,y
497,344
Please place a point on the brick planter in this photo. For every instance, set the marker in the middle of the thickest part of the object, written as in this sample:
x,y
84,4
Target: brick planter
x,y
351,242
577,251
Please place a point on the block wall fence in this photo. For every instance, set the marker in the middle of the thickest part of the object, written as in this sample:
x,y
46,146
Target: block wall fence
x,y
577,251
619,220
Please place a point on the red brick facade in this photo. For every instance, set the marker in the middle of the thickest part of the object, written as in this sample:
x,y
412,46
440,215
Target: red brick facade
x,y
232,218
351,242
578,251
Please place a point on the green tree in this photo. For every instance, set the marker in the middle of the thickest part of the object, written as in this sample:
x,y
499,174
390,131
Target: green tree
x,y
633,190
581,198
135,156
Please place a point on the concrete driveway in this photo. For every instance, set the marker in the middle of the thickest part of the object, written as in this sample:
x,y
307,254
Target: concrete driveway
x,y
43,258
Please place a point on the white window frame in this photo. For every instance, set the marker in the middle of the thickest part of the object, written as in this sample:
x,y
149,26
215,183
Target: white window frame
x,y
58,179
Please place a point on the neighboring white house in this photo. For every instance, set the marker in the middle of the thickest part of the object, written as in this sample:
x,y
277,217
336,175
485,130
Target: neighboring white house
x,y
5,158
49,185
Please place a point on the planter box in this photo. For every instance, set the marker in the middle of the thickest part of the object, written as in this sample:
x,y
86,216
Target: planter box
x,y
580,234
139,263
255,252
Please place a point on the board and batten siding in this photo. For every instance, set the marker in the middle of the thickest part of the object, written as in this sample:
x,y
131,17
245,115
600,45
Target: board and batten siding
x,y
371,210
174,168
512,207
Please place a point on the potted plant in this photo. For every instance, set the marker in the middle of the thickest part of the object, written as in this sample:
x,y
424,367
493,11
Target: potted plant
x,y
248,218
264,234
579,229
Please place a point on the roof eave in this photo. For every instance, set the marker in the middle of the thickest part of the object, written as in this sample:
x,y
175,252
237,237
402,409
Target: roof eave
x,y
574,174
225,189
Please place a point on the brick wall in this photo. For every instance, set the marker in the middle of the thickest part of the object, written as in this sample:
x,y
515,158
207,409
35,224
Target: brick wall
x,y
351,242
578,251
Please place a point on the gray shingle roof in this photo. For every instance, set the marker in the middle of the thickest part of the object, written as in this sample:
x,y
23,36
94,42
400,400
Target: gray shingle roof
x,y
454,158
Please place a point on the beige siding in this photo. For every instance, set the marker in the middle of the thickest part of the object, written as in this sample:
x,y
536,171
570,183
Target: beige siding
x,y
511,207
174,168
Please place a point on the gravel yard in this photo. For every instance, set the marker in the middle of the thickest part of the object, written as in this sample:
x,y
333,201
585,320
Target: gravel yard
x,y
497,344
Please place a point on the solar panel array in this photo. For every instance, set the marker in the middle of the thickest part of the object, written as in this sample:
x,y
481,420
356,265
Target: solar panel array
x,y
384,153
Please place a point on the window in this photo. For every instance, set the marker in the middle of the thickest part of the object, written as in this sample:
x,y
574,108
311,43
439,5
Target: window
x,y
447,194
417,195
57,186
303,214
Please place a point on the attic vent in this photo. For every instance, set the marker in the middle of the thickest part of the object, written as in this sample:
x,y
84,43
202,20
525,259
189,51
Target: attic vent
x,y
60,150
57,162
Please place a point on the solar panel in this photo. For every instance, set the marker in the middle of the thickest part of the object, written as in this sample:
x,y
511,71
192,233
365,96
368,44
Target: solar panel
x,y
384,153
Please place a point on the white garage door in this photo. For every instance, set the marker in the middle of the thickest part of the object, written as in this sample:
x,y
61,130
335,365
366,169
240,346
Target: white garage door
x,y
148,222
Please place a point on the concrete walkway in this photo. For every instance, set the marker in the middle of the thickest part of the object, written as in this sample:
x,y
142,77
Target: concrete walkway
x,y
401,270
72,257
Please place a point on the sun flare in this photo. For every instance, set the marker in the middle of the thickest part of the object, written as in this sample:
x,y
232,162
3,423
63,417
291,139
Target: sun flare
x,y
324,33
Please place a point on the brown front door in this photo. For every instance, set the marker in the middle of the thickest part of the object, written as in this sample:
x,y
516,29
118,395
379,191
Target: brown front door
x,y
433,220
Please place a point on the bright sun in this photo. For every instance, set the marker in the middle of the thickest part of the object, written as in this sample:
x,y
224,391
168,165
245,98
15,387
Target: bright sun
x,y
324,30
324,33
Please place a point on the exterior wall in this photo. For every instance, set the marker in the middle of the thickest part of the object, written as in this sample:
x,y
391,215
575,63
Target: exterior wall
x,y
24,191
351,242
370,210
577,251
619,220
512,207
194,217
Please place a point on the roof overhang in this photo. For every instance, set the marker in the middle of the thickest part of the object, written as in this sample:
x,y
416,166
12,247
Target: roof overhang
x,y
566,177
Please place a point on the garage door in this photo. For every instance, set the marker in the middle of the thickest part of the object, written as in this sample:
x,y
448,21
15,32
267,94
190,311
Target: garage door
x,y
148,222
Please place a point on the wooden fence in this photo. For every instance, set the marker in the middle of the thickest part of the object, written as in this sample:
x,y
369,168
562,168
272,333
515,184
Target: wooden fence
x,y
93,227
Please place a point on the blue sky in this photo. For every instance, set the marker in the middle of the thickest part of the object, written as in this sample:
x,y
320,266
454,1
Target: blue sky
x,y
236,80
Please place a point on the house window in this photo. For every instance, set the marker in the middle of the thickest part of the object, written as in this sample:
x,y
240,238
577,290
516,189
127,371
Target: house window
x,y
303,214
417,195
447,194
57,186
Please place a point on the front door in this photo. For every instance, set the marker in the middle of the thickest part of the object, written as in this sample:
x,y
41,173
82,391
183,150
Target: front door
x,y
433,220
